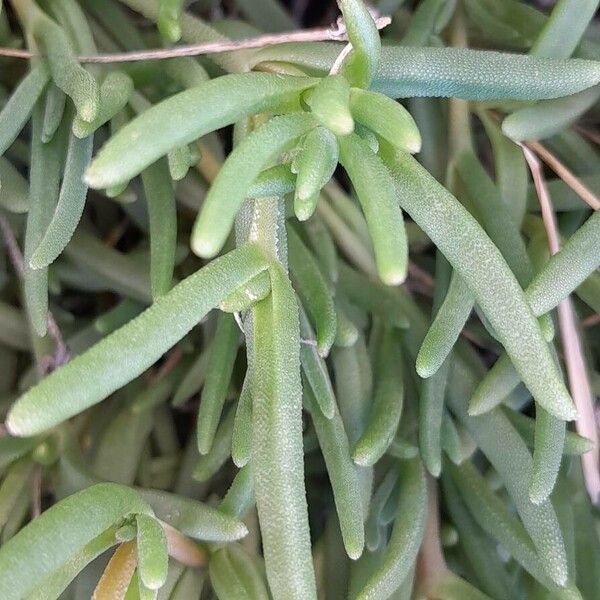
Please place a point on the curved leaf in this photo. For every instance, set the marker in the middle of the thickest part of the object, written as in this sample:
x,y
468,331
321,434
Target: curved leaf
x,y
200,110
407,534
361,65
388,399
152,554
221,358
276,415
194,519
71,201
375,190
329,101
343,475
128,352
54,538
18,109
466,247
243,165
313,290
315,164
386,118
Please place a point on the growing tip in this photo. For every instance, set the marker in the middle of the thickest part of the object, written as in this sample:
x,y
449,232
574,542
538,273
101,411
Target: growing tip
x,y
17,424
414,144
424,366
393,277
342,124
304,208
94,178
354,553
203,247
480,405
87,111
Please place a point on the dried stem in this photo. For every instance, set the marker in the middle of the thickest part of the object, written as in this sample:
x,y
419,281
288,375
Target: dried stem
x,y
117,575
61,354
335,33
172,360
591,321
183,550
420,275
565,174
36,492
593,136
431,564
579,382
559,168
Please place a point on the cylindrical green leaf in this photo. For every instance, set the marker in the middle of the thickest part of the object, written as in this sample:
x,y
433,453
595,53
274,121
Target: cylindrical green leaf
x,y
241,437
276,415
446,327
153,558
44,174
360,67
221,358
194,519
496,290
220,449
564,29
212,105
329,102
14,191
315,369
375,190
51,540
386,118
243,165
407,534
234,574
162,215
311,287
548,117
315,164
547,454
343,475
71,202
17,110
387,403
120,357
115,91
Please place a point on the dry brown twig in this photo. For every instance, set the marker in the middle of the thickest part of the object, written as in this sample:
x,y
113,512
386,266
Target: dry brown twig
x,y
591,321
579,382
539,150
335,33
61,354
565,174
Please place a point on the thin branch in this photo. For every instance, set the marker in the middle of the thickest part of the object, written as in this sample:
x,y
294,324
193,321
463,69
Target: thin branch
x,y
565,174
36,492
61,354
593,136
559,168
172,360
431,564
420,275
579,382
335,33
14,252
591,321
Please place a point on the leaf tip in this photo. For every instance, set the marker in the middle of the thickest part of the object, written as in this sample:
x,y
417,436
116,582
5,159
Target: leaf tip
x,y
203,247
424,367
342,124
414,143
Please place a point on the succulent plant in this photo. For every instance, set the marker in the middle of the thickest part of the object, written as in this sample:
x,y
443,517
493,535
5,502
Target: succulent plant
x,y
292,312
